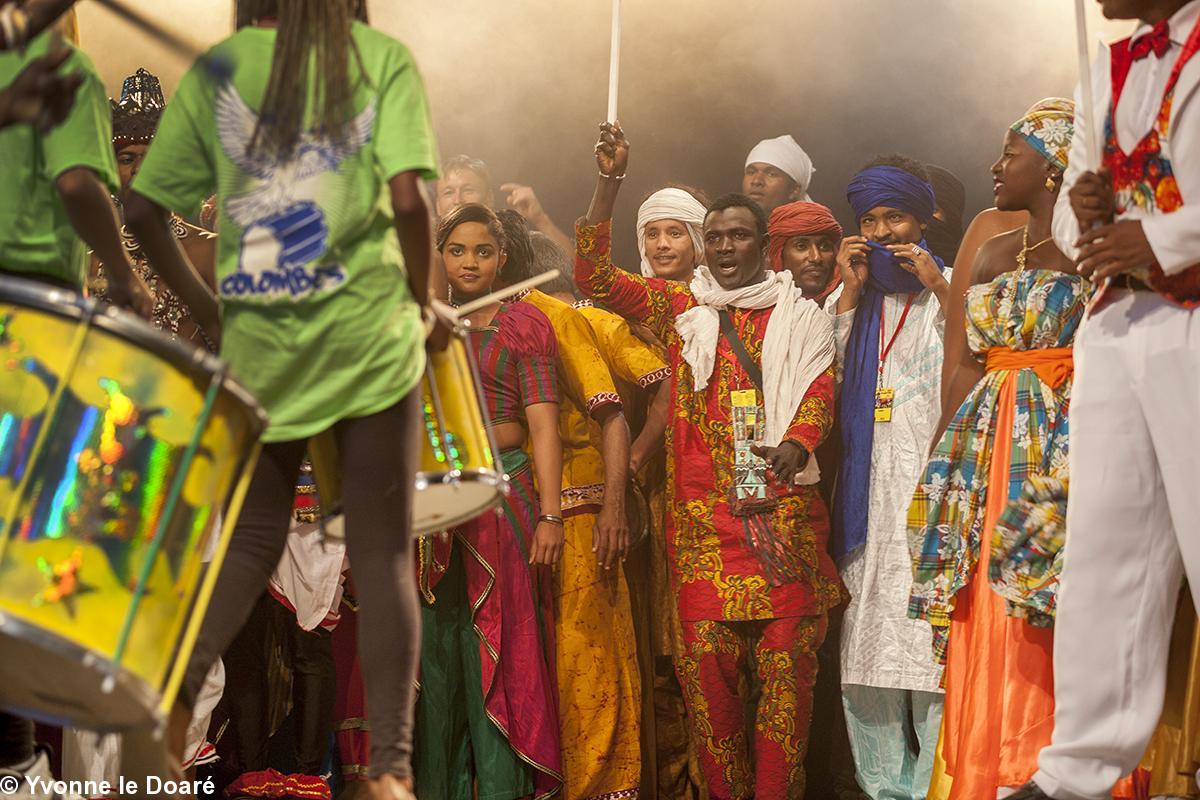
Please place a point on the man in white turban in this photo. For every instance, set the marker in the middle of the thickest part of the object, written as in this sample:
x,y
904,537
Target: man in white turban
x,y
777,171
670,237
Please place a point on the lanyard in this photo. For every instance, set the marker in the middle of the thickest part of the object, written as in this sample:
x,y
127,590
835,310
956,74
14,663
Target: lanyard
x,y
885,349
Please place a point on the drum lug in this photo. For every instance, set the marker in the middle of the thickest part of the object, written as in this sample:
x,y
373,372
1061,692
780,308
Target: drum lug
x,y
109,683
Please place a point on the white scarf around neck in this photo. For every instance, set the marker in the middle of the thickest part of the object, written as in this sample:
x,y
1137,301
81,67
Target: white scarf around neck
x,y
798,345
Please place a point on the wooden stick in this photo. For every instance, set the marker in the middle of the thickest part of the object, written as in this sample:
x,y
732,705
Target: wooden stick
x,y
138,20
1092,143
497,296
614,61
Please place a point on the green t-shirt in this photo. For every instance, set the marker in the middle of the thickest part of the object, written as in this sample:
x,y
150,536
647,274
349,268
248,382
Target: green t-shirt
x,y
317,319
35,234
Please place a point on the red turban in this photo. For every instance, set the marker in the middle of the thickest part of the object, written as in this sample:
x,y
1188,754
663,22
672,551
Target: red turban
x,y
801,219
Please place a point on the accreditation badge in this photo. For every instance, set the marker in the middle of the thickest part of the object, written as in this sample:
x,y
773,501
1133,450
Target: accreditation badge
x,y
885,399
750,492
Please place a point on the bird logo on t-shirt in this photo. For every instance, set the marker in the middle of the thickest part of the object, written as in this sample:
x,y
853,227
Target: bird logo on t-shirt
x,y
283,228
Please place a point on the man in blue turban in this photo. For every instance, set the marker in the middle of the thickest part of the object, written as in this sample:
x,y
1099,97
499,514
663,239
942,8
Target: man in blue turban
x,y
889,325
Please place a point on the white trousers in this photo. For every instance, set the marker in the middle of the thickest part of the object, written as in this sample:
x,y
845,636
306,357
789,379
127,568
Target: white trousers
x,y
90,756
1133,529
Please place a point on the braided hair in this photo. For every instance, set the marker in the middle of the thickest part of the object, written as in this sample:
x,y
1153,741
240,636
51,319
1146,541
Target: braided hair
x,y
316,29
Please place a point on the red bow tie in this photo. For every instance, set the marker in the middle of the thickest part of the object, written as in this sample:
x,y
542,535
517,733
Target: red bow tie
x,y
1157,41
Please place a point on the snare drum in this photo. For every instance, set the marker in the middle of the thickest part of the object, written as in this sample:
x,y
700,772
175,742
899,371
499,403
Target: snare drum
x,y
458,479
118,449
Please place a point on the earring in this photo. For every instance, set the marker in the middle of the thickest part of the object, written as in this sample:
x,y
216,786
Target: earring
x,y
1050,184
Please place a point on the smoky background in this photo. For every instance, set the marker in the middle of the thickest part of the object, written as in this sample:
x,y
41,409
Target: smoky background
x,y
522,84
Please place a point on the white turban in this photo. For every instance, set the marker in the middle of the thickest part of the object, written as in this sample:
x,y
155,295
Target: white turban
x,y
784,153
673,204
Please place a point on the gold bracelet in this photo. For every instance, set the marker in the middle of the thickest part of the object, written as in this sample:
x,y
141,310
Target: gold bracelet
x,y
552,518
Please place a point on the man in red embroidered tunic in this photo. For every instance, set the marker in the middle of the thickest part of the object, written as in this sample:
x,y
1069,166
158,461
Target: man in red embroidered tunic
x,y
747,529
1134,513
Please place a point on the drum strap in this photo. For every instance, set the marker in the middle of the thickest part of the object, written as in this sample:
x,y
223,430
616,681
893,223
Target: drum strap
x,y
739,350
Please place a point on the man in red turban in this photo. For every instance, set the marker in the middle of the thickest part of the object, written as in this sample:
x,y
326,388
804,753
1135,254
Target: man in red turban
x,y
804,239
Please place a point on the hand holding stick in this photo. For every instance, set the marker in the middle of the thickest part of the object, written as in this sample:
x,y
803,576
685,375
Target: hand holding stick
x,y
20,23
39,96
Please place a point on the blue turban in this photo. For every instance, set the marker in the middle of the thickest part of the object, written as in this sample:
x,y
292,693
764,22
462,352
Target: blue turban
x,y
873,187
894,188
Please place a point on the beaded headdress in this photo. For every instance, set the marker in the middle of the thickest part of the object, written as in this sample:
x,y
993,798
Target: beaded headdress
x,y
136,115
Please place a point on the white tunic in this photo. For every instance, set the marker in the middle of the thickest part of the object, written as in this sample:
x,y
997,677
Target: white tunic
x,y
1174,238
881,646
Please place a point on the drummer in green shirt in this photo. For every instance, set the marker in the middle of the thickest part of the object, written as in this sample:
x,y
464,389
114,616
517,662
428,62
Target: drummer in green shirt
x,y
55,176
313,129
55,186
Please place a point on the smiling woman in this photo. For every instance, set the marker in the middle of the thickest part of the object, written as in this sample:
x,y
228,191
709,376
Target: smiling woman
x,y
976,589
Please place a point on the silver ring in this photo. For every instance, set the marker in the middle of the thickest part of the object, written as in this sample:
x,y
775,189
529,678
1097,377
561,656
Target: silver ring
x,y
916,251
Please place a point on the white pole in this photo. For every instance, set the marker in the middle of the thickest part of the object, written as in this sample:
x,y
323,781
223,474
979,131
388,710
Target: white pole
x,y
1094,125
614,61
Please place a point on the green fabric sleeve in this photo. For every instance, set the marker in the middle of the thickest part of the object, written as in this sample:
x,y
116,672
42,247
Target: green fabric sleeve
x,y
178,172
404,128
84,138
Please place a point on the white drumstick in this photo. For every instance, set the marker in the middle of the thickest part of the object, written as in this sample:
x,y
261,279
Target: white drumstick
x,y
614,61
508,291
1092,144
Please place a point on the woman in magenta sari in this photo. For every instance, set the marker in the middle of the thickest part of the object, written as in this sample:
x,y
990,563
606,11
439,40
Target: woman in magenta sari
x,y
486,722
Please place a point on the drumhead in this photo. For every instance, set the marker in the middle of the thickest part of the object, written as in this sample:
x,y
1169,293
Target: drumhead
x,y
49,678
441,503
193,361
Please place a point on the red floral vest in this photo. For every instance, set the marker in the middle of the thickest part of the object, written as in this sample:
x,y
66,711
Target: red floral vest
x,y
1144,178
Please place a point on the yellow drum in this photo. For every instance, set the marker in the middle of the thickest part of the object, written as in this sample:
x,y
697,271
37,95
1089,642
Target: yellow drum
x,y
118,451
458,478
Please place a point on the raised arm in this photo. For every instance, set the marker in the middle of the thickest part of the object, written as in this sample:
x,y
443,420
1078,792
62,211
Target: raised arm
x,y
40,96
612,159
525,201
632,296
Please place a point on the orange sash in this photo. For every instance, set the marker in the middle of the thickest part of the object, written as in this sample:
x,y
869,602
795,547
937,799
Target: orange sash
x,y
1054,365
